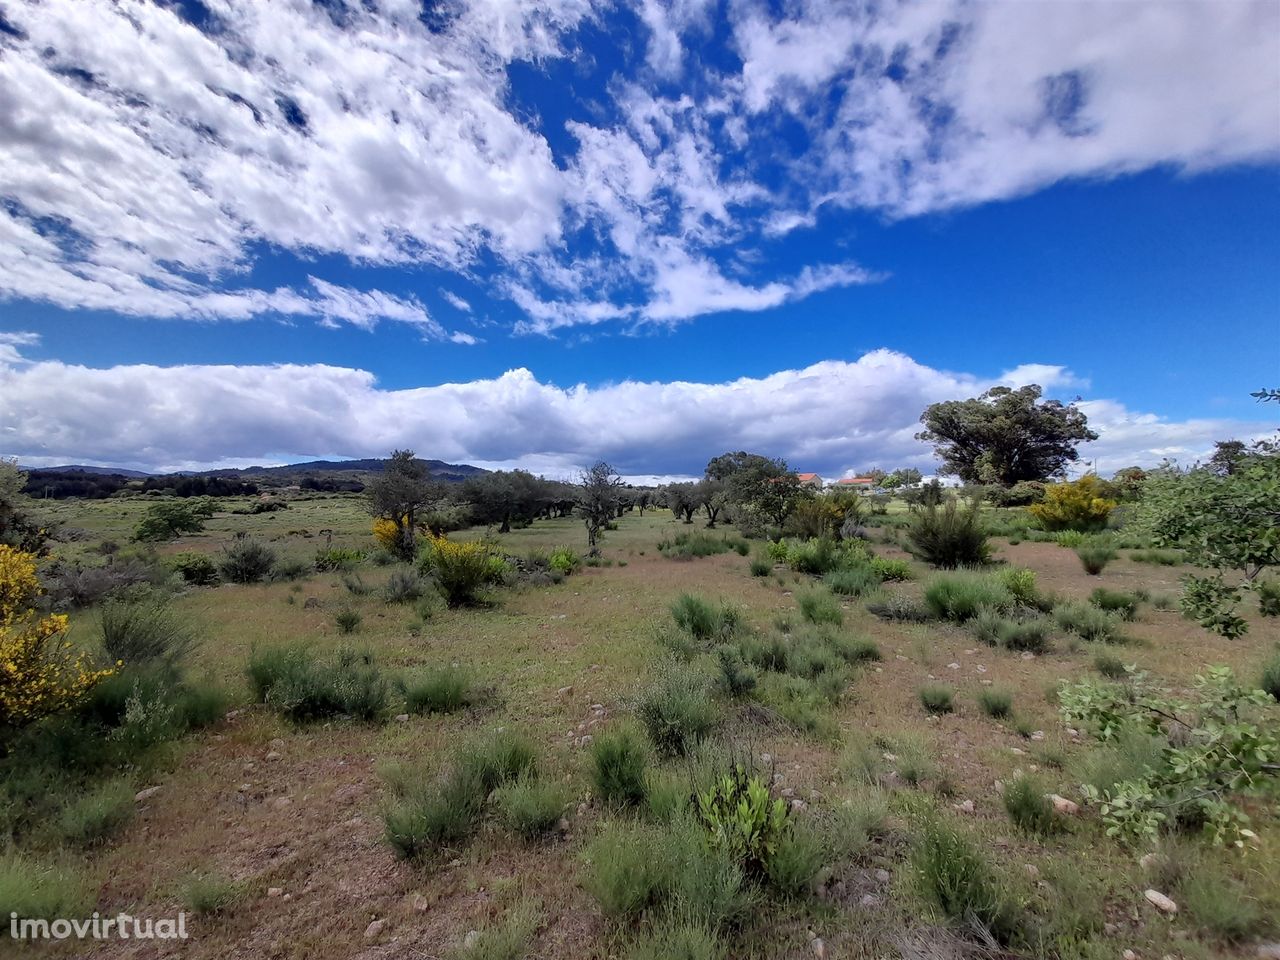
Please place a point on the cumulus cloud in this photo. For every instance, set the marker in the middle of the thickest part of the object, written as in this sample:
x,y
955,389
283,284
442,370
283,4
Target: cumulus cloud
x,y
147,161
830,417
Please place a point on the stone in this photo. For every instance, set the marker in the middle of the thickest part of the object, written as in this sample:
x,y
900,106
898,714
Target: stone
x,y
146,794
1028,655
274,756
231,715
819,948
798,804
564,692
420,903
275,891
882,876
470,939
402,718
585,741
964,807
374,928
1129,955
1064,806
1269,951
953,666
787,792
562,825
1037,735
1111,929
1160,901
279,803
869,900
1032,870
1148,860
980,668
766,758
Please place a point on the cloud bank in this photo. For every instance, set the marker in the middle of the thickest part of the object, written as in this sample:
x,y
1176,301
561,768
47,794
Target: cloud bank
x,y
831,417
152,153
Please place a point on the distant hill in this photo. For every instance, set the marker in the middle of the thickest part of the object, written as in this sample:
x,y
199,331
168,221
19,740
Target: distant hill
x,y
83,468
451,472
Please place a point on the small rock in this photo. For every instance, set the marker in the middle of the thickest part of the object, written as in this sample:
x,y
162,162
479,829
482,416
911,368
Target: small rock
x,y
597,707
766,758
374,928
1038,735
274,756
582,809
279,803
1269,951
819,948
586,741
1111,929
420,903
953,666
980,668
1160,901
889,757
869,900
882,876
1129,955
470,939
276,744
964,807
1148,860
1017,750
231,715
245,787
1032,871
563,825
879,669
146,794
1064,806
787,792
798,804
564,692
402,718
275,891
1028,655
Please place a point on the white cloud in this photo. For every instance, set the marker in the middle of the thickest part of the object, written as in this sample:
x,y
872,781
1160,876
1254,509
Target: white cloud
x,y
829,417
456,301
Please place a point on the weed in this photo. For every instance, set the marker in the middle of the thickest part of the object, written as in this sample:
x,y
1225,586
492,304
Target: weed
x,y
996,704
900,608
530,807
97,815
963,595
618,763
205,894
403,586
1088,622
1095,557
1124,605
246,561
953,872
508,939
347,620
949,536
702,621
819,606
145,631
1270,679
1110,666
439,690
1029,808
676,709
937,699
761,566
852,582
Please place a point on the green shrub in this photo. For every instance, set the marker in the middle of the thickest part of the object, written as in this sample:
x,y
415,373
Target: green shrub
x,y
852,582
442,814
508,939
761,566
97,815
436,690
197,569
618,763
347,620
1164,558
289,569
963,595
948,536
1088,622
890,569
1110,666
676,708
564,560
169,518
628,868
42,890
687,546
996,704
1029,808
953,872
1095,557
1023,633
797,856
1124,605
246,561
798,701
819,606
204,894
462,569
737,677
497,758
897,607
145,631
678,940
742,818
530,807
338,558
403,586
1071,539
1268,592
1021,585
1220,907
1270,679
702,621
937,699
355,584
302,687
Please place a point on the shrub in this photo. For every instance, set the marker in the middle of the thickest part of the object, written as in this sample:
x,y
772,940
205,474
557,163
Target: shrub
x,y
528,806
687,546
506,940
443,813
497,758
462,569
338,558
301,687
948,536
1095,557
742,818
963,595
205,894
1270,679
819,606
167,519
440,690
676,709
1110,666
40,890
852,582
890,569
197,569
1023,633
1268,592
355,584
1029,808
1124,605
937,699
403,586
761,566
1077,505
246,561
678,940
40,674
97,815
797,857
1088,622
618,762
289,569
1021,584
347,620
996,704
702,621
1163,558
900,608
564,560
626,869
737,677
145,631
1219,906
953,872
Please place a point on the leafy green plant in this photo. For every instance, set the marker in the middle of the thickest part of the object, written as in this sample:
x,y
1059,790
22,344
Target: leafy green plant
x,y
890,569
1110,666
742,818
564,560
304,687
852,582
1270,679
338,558
197,569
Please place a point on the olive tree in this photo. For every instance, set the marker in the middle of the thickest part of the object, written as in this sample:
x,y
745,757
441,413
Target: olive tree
x,y
397,494
598,496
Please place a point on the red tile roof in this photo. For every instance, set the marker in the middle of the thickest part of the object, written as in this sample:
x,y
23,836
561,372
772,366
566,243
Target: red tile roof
x,y
858,480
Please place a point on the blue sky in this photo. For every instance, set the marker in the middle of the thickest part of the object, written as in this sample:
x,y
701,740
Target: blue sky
x,y
649,231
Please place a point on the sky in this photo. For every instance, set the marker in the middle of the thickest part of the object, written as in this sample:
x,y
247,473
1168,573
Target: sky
x,y
649,231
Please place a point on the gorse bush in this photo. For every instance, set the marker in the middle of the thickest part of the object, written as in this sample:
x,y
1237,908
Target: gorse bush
x,y
1077,505
1124,605
676,708
819,606
704,622
197,569
302,687
145,630
1094,557
462,569
246,560
444,689
619,759
948,536
528,806
937,699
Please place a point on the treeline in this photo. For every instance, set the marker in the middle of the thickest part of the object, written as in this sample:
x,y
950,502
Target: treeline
x,y
64,484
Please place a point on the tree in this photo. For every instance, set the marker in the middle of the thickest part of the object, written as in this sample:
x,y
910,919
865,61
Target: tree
x,y
760,484
1228,456
397,494
682,500
1224,523
598,501
714,496
904,477
17,528
1005,436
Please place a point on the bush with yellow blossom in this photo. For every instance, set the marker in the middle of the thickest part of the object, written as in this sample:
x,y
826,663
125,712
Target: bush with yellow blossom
x,y
40,672
462,568
1078,505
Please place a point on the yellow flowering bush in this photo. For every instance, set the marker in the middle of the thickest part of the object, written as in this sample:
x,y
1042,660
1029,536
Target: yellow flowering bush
x,y
461,568
40,673
387,533
1078,505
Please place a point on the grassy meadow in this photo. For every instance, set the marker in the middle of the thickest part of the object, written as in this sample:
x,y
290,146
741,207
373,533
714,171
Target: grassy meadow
x,y
912,758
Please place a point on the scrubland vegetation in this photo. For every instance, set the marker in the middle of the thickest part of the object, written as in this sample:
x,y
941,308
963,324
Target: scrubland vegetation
x,y
727,719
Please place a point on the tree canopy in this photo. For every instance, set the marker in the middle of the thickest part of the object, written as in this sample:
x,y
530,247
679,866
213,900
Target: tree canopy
x,y
1005,435
398,493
